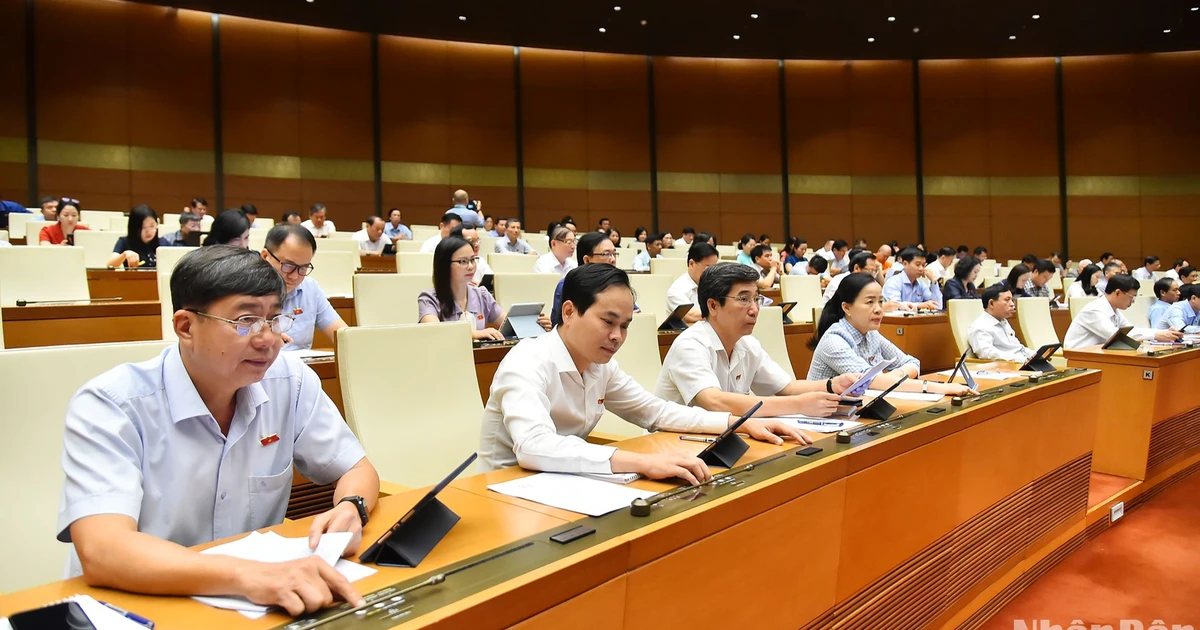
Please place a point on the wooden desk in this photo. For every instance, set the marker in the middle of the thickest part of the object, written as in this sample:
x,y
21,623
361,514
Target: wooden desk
x,y
139,286
65,324
926,337
934,522
1151,411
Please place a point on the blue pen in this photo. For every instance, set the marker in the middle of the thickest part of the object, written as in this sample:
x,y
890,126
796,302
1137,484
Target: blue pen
x,y
823,423
141,621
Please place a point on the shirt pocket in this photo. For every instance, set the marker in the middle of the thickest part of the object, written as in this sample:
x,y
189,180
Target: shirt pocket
x,y
269,498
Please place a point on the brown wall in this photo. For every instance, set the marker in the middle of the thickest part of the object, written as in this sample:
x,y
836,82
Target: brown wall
x,y
135,124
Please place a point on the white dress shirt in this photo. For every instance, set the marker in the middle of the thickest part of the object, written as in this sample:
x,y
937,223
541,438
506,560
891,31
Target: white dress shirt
x,y
1076,290
541,409
683,291
548,263
482,268
941,271
697,361
1143,274
1172,274
1096,323
325,230
431,243
365,244
825,253
994,339
832,288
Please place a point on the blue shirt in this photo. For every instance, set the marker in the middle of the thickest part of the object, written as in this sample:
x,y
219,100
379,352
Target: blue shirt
x,y
641,262
899,288
470,218
9,207
745,259
844,350
400,230
1158,312
140,442
311,309
1179,316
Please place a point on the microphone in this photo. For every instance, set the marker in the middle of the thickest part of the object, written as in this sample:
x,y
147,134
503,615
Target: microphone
x,y
88,300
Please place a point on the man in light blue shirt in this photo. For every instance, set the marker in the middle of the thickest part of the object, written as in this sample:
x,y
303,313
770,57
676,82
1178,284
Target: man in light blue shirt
x,y
470,218
290,248
1167,292
500,229
1182,314
199,444
911,289
654,245
396,230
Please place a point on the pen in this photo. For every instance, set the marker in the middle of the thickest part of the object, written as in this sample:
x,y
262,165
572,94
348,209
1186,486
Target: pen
x,y
692,438
141,621
823,423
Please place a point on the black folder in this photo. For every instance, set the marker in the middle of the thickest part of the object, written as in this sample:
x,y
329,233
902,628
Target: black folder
x,y
880,409
728,447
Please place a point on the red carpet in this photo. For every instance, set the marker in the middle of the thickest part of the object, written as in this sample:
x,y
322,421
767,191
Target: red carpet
x,y
1145,568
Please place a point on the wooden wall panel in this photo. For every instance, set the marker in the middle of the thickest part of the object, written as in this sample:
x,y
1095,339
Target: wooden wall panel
x,y
13,176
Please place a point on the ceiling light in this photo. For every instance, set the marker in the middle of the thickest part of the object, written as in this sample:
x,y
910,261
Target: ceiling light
x,y
603,30
643,22
891,18
870,39
916,29
737,36
755,15
1196,8
462,18
616,8
1036,16
1166,30
1012,36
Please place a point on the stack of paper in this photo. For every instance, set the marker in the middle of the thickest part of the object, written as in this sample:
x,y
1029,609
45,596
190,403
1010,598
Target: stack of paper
x,y
309,354
271,547
571,492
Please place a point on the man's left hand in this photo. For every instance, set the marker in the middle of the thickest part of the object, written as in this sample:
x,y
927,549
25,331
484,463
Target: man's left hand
x,y
773,431
342,518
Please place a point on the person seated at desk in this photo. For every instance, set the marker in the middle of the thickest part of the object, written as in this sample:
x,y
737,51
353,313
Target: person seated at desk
x,y
317,223
231,227
1085,284
747,245
1167,291
139,246
550,391
561,257
990,335
592,247
700,256
1038,284
290,247
962,285
1113,267
1146,272
1173,272
840,263
471,235
199,444
910,288
1078,269
1099,321
371,239
512,243
291,216
448,222
1189,275
62,232
654,244
719,365
767,266
1183,312
860,262
942,267
848,341
395,230
793,253
188,223
981,253
49,207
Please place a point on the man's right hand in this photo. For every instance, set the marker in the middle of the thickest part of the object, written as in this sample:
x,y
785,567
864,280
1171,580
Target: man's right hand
x,y
299,586
1168,335
488,334
817,404
662,466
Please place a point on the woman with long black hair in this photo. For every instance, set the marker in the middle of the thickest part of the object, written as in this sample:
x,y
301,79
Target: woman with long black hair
x,y
139,246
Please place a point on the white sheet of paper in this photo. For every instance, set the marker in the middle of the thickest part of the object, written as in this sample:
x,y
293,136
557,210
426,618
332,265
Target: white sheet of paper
x,y
571,492
989,375
916,396
816,425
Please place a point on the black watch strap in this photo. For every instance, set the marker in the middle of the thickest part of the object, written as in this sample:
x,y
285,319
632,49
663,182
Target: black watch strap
x,y
360,504
829,385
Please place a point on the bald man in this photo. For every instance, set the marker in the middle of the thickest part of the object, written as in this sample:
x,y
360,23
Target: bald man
x,y
470,218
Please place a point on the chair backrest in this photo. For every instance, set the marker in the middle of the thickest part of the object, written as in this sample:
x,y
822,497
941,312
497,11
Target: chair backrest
x,y
1138,313
1,332
639,358
384,299
97,247
421,233
420,442
673,267
539,242
987,281
963,313
1146,288
334,271
340,245
264,223
42,273
1077,304
1037,329
118,224
634,245
408,246
338,236
258,238
675,252
165,310
102,219
169,223
168,257
31,473
511,263
33,230
487,244
625,258
805,291
526,288
415,263
17,222
1066,285
988,267
727,252
1010,263
769,332
4,235
651,292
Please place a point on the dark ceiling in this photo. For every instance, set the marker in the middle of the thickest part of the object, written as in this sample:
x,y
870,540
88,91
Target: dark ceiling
x,y
793,29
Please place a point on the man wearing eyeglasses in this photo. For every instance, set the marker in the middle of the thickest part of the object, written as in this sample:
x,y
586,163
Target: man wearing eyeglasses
x,y
290,249
561,257
719,365
199,444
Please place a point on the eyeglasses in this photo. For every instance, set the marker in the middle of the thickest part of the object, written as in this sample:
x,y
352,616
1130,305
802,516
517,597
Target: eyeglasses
x,y
466,262
613,255
568,241
253,324
67,201
288,267
747,300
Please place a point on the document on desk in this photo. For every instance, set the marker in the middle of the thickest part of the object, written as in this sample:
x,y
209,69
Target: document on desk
x,y
101,616
308,354
271,547
571,492
990,375
816,425
914,396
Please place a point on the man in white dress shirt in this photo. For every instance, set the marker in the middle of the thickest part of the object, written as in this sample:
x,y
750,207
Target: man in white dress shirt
x,y
371,239
943,267
1098,321
1146,273
1173,272
449,222
550,391
561,257
990,336
718,364
700,256
861,261
317,223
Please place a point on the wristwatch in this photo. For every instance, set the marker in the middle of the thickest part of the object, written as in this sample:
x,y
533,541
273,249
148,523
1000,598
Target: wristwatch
x,y
829,385
924,390
358,503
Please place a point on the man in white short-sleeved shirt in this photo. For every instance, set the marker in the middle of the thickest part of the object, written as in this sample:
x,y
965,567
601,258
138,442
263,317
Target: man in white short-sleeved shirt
x,y
449,222
719,365
198,444
700,256
1101,319
371,239
990,336
317,223
550,392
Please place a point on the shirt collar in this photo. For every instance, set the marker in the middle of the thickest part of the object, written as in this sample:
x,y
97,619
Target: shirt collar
x,y
850,331
559,354
184,402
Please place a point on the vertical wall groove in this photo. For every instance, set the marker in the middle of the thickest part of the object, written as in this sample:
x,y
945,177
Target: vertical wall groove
x,y
1061,113
918,148
783,153
518,115
652,112
218,130
376,139
31,141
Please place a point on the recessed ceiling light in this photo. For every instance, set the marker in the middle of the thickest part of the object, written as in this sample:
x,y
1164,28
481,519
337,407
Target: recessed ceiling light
x,y
1196,8
870,39
1012,36
643,22
462,18
1036,16
603,30
616,8
1166,30
891,18
916,29
737,36
754,16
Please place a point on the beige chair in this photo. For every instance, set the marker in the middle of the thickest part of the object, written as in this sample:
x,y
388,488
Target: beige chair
x,y
258,239
169,223
539,242
673,267
511,263
1138,313
263,223
963,313
637,246
102,219
1012,263
42,274
336,236
206,222
421,233
415,263
1037,328
487,244
988,268
727,252
118,224
435,426
769,332
675,252
1066,285
1146,289
385,299
1,329
526,288
987,281
1078,303
625,258
338,245
650,291
18,220
334,271
169,256
165,310
408,246
4,235
33,231
97,247
31,474
639,358
805,291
